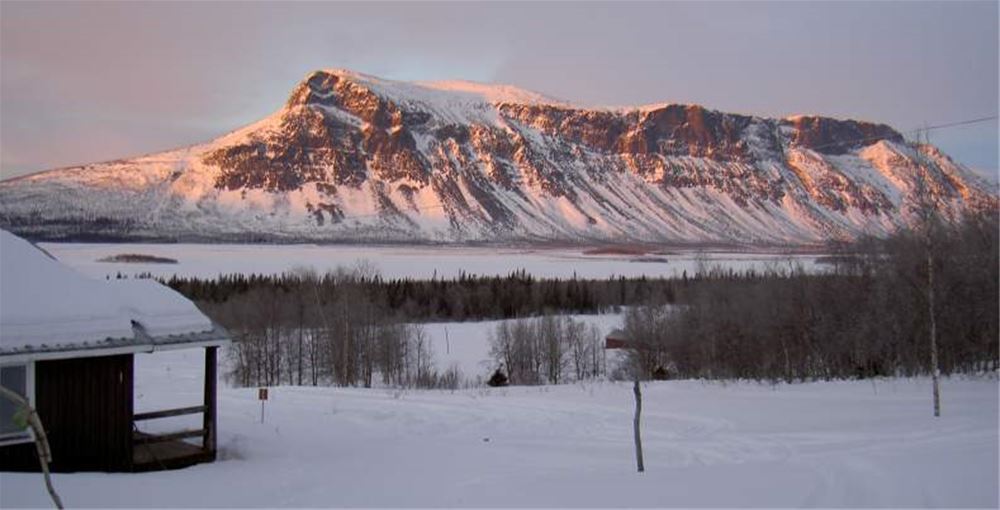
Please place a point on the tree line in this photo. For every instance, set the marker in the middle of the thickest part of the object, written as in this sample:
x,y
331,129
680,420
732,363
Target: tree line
x,y
322,331
354,328
466,297
867,316
550,349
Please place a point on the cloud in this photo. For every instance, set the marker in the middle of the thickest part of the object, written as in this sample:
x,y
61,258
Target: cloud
x,y
87,81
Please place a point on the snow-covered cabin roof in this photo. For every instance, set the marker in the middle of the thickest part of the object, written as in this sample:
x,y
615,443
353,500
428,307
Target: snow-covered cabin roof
x,y
49,311
617,334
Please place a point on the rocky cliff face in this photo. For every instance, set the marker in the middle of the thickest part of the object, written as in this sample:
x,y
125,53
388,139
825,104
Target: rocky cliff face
x,y
354,158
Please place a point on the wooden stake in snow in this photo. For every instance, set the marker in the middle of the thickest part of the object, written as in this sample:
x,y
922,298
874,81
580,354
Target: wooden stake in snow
x,y
635,425
262,396
41,440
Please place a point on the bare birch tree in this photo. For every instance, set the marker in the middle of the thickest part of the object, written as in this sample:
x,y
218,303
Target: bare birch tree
x,y
926,210
34,423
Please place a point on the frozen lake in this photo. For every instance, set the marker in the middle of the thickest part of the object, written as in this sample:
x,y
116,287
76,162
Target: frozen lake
x,y
210,260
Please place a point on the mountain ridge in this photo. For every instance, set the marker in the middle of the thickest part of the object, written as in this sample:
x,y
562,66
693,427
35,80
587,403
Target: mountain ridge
x,y
354,158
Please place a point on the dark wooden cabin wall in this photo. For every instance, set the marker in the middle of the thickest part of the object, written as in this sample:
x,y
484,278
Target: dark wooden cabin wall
x,y
18,457
86,407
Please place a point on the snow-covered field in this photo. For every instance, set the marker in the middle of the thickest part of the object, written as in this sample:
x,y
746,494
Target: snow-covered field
x,y
210,260
833,444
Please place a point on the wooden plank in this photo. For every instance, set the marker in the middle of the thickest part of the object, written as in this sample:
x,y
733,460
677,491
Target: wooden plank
x,y
210,423
159,438
152,415
128,393
167,455
86,406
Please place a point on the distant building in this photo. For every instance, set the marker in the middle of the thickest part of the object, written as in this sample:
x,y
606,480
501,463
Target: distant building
x,y
616,339
67,344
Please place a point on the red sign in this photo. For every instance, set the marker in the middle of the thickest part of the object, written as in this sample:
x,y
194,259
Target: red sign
x,y
262,394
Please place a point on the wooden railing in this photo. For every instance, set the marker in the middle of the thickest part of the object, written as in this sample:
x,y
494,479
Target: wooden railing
x,y
161,438
169,412
147,438
159,447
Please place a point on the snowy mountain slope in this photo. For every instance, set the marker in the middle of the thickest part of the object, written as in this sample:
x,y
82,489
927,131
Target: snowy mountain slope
x,y
352,157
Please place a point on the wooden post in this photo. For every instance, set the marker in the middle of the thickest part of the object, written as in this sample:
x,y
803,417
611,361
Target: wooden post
x,y
211,378
635,426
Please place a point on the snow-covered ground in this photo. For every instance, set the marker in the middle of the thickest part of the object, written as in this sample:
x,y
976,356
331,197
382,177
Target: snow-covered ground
x,y
832,444
210,260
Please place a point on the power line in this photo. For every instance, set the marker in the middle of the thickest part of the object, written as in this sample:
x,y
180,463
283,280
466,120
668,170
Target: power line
x,y
953,124
912,131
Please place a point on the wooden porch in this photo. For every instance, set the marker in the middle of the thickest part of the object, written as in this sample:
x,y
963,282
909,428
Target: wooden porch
x,y
173,450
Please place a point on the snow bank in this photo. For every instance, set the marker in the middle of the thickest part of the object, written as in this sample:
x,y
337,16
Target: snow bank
x,y
44,303
161,310
46,306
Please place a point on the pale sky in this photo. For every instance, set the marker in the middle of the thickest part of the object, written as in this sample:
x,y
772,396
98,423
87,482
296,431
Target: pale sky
x,y
84,82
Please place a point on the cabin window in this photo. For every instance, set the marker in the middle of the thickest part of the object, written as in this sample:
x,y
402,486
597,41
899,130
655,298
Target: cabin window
x,y
18,378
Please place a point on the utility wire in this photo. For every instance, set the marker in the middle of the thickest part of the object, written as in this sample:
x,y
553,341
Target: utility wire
x,y
912,131
953,124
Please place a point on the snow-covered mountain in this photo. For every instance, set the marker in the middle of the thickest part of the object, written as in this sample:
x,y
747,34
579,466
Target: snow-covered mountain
x,y
351,157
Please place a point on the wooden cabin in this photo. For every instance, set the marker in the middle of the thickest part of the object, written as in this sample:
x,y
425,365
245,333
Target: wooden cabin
x,y
67,344
656,366
616,339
